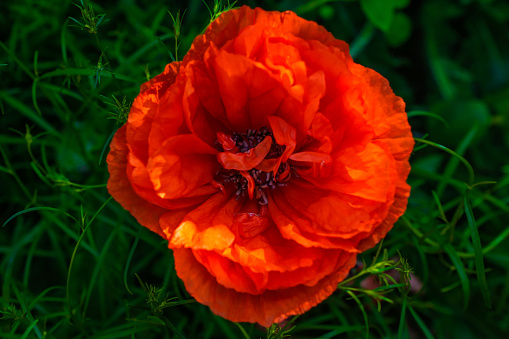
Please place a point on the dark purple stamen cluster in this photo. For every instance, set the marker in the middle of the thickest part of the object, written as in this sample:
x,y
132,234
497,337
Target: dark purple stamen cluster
x,y
251,139
263,180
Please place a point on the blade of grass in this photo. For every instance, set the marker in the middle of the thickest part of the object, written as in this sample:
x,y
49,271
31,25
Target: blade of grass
x,y
70,233
421,323
494,243
437,65
342,329
366,322
418,233
129,258
61,90
27,112
172,327
402,320
20,64
424,261
463,160
362,39
106,144
41,295
452,165
30,256
99,210
38,209
32,325
97,269
100,259
73,256
465,283
39,173
427,114
479,260
122,331
34,97
439,205
136,55
63,42
244,333
223,325
84,71
498,202
459,185
28,314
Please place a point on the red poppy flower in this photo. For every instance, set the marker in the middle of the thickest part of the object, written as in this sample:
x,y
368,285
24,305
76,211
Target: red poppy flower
x,y
268,159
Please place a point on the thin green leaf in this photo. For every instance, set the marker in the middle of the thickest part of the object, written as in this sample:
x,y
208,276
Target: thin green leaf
x,y
27,314
494,243
15,58
465,283
99,210
244,333
63,42
388,287
61,90
439,205
366,322
34,97
225,329
421,323
402,320
97,268
362,39
172,327
129,258
68,284
479,260
39,173
450,287
122,331
84,71
417,113
342,329
76,21
452,165
3,169
30,255
38,209
463,160
29,329
178,303
26,111
132,59
437,65
41,295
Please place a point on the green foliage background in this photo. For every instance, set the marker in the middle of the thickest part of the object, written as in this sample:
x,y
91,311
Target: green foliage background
x,y
70,255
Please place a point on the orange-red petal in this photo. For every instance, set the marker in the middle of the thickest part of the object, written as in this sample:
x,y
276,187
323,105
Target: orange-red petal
x,y
266,308
120,187
208,226
183,167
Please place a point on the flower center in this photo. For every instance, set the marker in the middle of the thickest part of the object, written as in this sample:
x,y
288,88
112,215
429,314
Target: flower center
x,y
249,140
254,181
